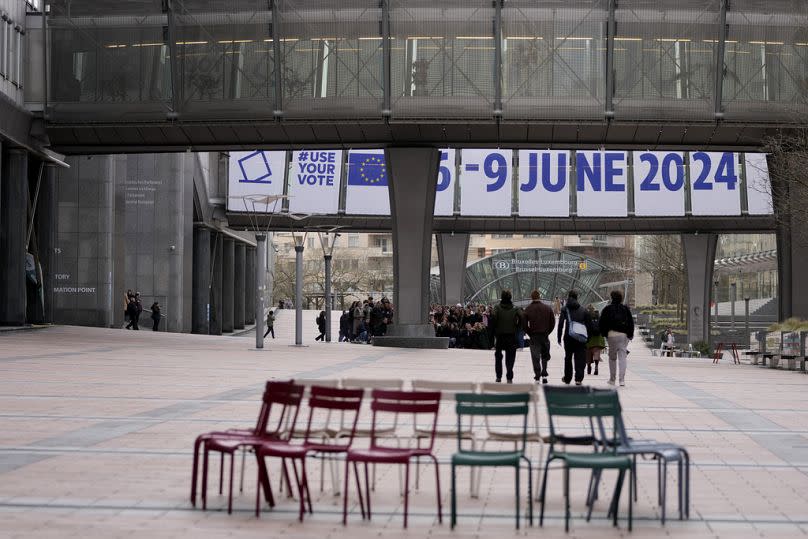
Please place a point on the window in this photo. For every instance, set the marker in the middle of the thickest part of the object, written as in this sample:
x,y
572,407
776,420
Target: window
x,y
11,73
501,236
311,243
353,240
4,46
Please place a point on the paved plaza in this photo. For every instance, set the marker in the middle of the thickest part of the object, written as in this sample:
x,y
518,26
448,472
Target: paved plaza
x,y
98,427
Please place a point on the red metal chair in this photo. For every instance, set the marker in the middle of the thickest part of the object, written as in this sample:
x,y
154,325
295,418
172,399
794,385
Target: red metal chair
x,y
285,394
395,402
321,400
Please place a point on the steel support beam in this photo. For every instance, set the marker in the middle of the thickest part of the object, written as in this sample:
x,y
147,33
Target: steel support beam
x,y
276,54
168,8
386,51
611,29
719,59
498,58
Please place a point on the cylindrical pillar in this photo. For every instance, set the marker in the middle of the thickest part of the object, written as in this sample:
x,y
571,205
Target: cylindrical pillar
x,y
260,251
13,229
228,284
217,259
746,320
200,293
328,305
732,291
47,213
249,292
239,285
298,294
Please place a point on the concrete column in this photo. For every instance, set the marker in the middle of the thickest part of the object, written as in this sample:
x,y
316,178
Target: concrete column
x,y
792,252
228,284
453,251
216,284
412,175
46,217
239,285
699,255
200,298
249,292
13,228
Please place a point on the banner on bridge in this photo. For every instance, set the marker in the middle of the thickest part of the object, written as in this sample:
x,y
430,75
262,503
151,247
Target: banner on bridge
x,y
503,183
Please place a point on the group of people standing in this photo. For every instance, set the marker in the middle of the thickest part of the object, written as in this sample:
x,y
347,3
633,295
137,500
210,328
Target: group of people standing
x,y
362,321
584,333
133,307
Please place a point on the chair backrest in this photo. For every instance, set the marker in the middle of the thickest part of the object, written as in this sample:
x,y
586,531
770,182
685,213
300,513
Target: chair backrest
x,y
347,401
288,396
594,405
531,389
307,383
405,402
372,383
448,391
490,405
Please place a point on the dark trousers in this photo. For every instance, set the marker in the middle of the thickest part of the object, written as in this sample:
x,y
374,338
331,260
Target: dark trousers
x,y
270,329
507,343
574,351
133,320
539,354
156,324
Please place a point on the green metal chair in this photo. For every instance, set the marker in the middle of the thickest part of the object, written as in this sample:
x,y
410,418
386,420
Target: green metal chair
x,y
489,405
561,402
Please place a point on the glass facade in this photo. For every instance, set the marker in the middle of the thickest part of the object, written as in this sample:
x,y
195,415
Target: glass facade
x,y
418,59
552,272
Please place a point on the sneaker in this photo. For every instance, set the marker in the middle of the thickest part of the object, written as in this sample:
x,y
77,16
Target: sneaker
x,y
596,370
589,369
499,380
510,381
565,381
610,382
544,381
578,383
622,384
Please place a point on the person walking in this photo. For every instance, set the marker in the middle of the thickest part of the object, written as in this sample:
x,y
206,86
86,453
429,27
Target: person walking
x,y
155,316
573,326
617,324
596,342
506,321
539,322
321,326
270,324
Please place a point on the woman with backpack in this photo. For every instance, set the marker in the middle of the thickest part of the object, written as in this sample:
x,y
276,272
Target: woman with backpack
x,y
617,324
574,326
596,343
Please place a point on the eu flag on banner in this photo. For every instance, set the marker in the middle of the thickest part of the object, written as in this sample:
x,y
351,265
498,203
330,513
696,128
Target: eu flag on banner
x,y
366,169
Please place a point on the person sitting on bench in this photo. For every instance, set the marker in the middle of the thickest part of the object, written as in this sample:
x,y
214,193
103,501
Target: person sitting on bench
x,y
668,344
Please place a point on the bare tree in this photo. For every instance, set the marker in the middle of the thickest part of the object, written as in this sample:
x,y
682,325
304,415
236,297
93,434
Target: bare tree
x,y
788,170
662,258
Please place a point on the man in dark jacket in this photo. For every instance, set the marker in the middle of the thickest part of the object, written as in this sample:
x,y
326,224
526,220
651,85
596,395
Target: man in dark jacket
x,y
540,321
573,348
506,320
617,324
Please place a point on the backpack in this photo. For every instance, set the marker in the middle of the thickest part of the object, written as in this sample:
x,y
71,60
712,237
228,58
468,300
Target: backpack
x,y
620,319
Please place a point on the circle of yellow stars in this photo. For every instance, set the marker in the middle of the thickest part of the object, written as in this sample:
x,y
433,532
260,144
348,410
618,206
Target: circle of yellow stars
x,y
371,161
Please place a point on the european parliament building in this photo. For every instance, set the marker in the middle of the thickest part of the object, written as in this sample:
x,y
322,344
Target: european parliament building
x,y
123,122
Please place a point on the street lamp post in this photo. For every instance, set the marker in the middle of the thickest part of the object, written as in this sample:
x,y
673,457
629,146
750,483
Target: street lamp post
x,y
260,269
732,290
328,241
746,318
299,240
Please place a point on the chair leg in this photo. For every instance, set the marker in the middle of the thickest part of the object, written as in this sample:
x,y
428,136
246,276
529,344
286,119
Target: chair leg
x,y
543,493
195,470
367,490
618,489
529,492
516,469
437,489
359,490
289,490
243,462
301,482
263,477
681,489
306,485
633,476
345,496
453,517
476,473
632,492
406,492
204,488
566,499
663,488
230,491
687,484
221,472
258,496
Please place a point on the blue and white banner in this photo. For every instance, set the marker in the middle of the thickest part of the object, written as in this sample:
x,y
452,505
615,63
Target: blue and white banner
x,y
714,185
758,185
601,183
314,181
659,184
253,180
544,189
486,182
367,183
445,187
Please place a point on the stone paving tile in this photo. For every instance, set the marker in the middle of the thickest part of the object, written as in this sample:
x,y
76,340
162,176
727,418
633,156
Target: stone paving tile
x,y
96,441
